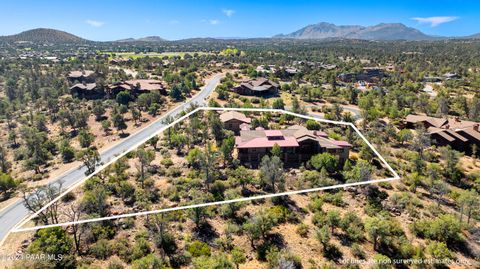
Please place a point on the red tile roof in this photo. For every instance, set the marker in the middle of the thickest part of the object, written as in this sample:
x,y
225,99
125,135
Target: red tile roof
x,y
264,142
271,133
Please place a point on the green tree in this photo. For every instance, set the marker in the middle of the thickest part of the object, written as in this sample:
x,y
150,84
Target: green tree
x,y
106,126
404,135
324,160
123,98
85,138
227,147
276,151
243,176
67,151
145,157
271,173
238,256
90,158
119,122
278,104
98,110
312,125
362,171
469,202
380,230
7,184
54,241
4,163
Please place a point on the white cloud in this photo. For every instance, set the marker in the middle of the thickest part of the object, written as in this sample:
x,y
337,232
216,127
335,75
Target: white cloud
x,y
228,12
94,23
214,22
435,21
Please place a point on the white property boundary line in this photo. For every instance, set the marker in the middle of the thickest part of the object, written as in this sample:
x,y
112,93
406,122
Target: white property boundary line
x,y
18,228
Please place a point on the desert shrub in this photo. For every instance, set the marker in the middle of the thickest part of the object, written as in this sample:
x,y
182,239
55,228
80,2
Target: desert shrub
x,y
315,204
357,251
148,262
283,259
199,248
335,199
438,250
122,249
167,162
115,264
381,261
101,249
353,226
446,228
140,249
279,212
216,261
302,230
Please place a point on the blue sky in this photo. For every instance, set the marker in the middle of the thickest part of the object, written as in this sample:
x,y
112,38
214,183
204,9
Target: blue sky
x,y
105,20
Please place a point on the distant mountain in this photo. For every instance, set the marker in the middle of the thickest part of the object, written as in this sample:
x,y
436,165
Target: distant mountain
x,y
382,31
143,39
475,36
44,35
323,30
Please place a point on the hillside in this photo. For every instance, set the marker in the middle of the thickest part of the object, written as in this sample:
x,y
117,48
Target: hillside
x,y
383,31
44,35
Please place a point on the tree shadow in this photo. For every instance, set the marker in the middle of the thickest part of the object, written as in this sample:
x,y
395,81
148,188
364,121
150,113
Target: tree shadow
x,y
205,232
332,253
123,135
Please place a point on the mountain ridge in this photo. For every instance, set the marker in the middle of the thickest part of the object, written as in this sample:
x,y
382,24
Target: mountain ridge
x,y
381,31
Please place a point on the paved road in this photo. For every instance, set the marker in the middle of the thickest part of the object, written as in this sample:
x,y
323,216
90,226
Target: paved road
x,y
16,212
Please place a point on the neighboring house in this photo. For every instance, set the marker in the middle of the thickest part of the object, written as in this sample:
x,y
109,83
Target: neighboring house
x,y
136,87
235,121
453,132
450,75
85,76
87,90
369,74
258,87
297,143
266,68
413,120
119,61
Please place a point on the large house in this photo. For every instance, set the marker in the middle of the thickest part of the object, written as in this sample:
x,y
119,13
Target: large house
x,y
298,145
459,134
257,87
136,87
82,76
86,90
233,120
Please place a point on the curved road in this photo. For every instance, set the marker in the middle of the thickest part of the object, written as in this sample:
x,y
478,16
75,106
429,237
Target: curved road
x,y
16,212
